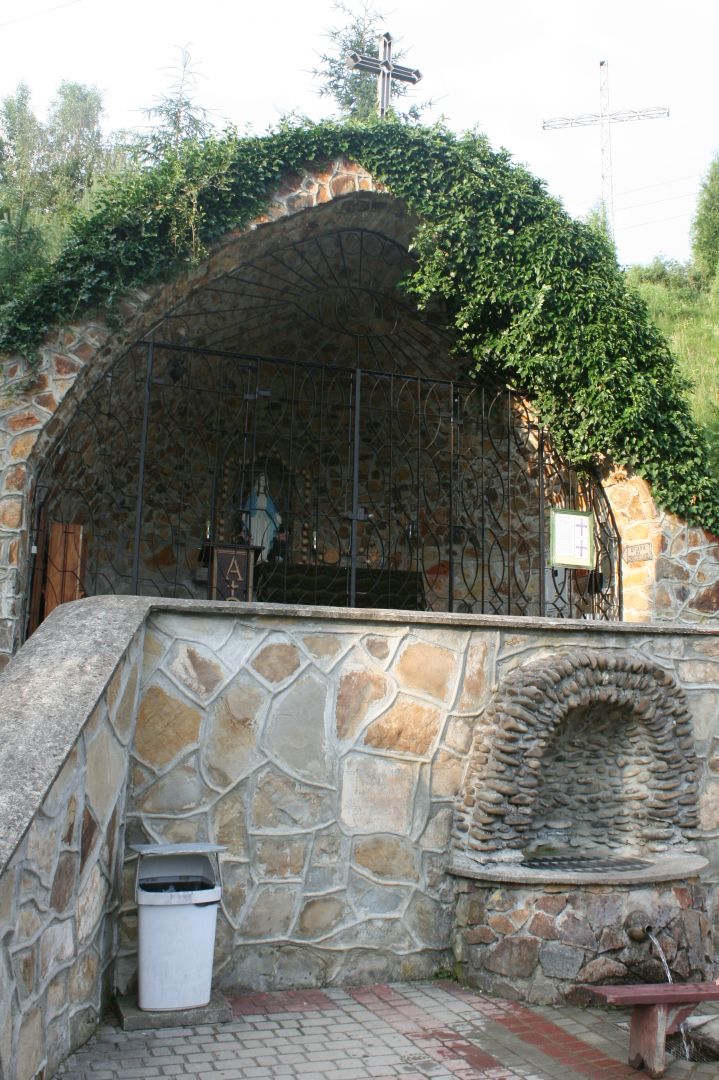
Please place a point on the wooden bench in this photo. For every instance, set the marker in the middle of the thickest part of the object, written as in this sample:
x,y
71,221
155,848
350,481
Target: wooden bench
x,y
658,1010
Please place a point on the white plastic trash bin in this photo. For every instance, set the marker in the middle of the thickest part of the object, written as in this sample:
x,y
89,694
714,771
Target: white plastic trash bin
x,y
178,891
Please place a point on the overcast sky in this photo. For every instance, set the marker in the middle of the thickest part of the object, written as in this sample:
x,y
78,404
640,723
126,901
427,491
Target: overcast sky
x,y
502,67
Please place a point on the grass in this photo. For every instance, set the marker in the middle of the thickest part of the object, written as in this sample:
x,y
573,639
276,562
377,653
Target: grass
x,y
688,316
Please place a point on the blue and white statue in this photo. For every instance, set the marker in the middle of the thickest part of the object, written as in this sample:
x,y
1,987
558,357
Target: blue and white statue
x,y
265,519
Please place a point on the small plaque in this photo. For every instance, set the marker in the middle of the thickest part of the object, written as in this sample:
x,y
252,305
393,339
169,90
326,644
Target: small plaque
x,y
232,573
638,552
572,538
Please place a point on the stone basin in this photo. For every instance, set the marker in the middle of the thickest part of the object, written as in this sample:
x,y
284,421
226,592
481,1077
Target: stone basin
x,y
538,935
675,867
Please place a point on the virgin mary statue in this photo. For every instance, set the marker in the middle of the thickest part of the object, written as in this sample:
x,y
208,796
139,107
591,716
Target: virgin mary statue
x,y
264,517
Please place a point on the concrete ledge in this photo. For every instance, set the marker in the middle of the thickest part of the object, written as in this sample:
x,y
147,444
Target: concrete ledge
x,y
132,1018
422,618
47,693
671,868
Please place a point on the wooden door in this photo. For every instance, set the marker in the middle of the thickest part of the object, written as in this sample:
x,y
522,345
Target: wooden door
x,y
59,569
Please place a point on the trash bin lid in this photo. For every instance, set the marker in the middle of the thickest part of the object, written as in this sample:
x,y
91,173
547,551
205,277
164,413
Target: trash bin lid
x,y
177,849
179,893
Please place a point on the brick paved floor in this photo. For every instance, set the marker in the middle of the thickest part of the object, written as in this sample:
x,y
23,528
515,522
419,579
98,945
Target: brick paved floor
x,y
406,1031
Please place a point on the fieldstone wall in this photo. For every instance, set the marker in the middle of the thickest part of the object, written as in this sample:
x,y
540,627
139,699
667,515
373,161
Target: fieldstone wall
x,y
537,943
670,569
326,756
327,751
59,889
591,750
25,415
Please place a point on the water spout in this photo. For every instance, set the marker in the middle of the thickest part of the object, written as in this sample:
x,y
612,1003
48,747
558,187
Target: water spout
x,y
660,951
686,1052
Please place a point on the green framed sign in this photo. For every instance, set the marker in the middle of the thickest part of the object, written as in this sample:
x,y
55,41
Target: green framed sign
x,y
572,538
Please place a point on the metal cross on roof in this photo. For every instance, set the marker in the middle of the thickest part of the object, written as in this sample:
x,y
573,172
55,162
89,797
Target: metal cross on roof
x,y
385,71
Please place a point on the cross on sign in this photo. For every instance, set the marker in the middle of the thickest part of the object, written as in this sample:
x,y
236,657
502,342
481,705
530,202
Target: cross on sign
x,y
580,537
385,71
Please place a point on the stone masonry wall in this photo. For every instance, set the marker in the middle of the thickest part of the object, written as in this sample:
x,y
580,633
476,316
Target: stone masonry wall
x,y
326,756
678,579
59,891
327,752
538,943
325,748
592,749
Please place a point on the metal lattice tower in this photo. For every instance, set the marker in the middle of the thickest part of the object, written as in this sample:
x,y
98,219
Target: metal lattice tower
x,y
604,118
605,132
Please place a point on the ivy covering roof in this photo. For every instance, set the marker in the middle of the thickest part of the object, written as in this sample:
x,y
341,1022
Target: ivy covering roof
x,y
532,296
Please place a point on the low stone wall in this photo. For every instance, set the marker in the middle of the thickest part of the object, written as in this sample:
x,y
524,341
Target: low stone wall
x,y
324,747
326,754
591,749
536,943
70,698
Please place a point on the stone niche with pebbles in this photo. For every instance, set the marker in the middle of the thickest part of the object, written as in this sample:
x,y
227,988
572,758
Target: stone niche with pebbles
x,y
574,831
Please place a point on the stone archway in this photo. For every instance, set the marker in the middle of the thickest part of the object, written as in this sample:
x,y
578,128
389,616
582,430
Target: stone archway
x,y
591,750
314,280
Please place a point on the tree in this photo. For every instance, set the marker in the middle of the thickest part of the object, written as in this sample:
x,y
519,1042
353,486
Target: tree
x,y
355,92
598,220
49,170
46,170
21,139
21,160
76,150
705,227
178,116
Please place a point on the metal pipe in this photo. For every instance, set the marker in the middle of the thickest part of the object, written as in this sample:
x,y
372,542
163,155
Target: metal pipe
x,y
542,543
355,488
141,471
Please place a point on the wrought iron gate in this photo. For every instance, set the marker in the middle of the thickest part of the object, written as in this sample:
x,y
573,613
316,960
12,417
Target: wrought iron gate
x,y
357,487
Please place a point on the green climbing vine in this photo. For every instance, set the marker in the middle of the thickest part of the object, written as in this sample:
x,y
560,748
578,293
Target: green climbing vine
x,y
533,296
